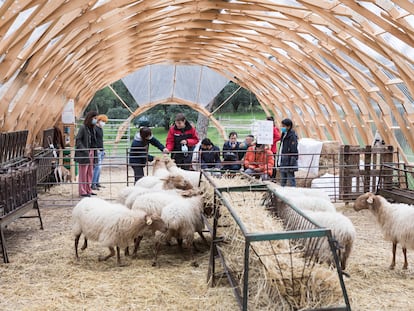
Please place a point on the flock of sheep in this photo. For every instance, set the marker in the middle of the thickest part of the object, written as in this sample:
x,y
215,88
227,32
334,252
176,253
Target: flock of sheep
x,y
166,205
169,204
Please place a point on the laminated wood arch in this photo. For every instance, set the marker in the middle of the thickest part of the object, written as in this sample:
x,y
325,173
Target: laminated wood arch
x,y
340,69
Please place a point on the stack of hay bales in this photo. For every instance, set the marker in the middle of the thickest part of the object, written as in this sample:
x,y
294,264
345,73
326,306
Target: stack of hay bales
x,y
279,275
329,159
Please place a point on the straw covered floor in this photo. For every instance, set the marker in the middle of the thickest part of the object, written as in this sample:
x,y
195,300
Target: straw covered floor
x,y
43,274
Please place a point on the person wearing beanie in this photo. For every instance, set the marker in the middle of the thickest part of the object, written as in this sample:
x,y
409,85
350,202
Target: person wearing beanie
x,y
138,154
102,119
288,154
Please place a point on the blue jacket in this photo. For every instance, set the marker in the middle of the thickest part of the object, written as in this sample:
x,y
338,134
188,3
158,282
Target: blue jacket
x,y
210,158
139,149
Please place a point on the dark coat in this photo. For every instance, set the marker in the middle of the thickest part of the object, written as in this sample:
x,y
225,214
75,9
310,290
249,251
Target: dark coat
x,y
99,138
138,154
210,158
288,153
85,140
232,153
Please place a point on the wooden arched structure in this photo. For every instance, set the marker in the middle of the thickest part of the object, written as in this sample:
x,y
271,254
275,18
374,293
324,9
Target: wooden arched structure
x,y
340,69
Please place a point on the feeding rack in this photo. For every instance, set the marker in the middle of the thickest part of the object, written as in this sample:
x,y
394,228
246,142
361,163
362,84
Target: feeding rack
x,y
280,267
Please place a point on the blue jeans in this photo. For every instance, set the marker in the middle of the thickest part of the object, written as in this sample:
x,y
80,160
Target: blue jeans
x,y
97,169
287,176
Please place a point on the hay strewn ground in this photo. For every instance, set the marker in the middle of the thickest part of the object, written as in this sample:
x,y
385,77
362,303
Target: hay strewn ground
x,y
43,274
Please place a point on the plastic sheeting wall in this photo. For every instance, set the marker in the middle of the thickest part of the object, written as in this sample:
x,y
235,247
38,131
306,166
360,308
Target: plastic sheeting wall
x,y
196,84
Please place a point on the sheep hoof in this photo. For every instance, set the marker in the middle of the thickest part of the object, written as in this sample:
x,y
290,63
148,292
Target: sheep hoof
x,y
392,267
122,264
405,267
195,264
154,264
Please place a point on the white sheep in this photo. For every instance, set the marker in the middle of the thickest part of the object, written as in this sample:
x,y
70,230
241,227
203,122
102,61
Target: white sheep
x,y
159,168
396,221
193,177
171,182
182,218
111,224
306,198
343,231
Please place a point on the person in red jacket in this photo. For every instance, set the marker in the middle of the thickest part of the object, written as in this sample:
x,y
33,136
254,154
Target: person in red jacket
x,y
181,140
259,161
276,135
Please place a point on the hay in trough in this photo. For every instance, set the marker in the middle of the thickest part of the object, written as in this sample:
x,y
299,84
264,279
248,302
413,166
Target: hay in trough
x,y
278,273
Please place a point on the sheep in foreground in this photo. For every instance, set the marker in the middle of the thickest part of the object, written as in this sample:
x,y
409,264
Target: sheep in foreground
x,y
154,202
396,221
183,218
111,224
343,231
193,177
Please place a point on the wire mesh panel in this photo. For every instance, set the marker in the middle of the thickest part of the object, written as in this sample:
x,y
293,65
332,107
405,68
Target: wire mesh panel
x,y
271,256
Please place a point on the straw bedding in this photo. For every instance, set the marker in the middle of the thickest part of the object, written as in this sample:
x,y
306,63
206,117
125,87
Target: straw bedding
x,y
277,276
43,274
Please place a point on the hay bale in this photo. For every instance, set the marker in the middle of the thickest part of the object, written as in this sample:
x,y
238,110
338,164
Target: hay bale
x,y
277,276
329,158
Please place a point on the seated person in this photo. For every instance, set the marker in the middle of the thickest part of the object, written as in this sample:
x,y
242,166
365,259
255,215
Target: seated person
x,y
209,154
231,153
248,142
259,161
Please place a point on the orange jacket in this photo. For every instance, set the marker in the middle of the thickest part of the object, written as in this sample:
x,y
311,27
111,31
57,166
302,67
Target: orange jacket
x,y
259,159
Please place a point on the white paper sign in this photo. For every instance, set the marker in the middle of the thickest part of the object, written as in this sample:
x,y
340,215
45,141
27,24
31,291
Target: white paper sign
x,y
68,114
263,131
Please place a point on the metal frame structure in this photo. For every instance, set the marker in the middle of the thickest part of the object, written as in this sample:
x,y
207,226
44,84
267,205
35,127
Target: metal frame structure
x,y
241,294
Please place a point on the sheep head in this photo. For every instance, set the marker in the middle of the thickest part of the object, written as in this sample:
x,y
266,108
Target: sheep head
x,y
169,162
365,201
191,192
176,182
156,223
159,163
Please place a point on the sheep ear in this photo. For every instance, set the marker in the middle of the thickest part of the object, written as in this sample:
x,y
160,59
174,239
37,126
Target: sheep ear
x,y
370,200
148,220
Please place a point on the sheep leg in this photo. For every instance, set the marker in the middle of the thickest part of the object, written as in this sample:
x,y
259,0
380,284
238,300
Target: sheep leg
x,y
200,233
394,249
85,244
405,258
194,263
76,246
111,254
137,242
156,250
118,258
126,251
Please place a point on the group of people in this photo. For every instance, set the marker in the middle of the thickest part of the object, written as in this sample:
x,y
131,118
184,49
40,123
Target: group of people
x,y
255,159
185,147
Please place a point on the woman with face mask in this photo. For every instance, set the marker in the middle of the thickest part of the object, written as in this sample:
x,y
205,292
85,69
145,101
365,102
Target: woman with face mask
x,y
138,154
85,144
101,121
288,154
